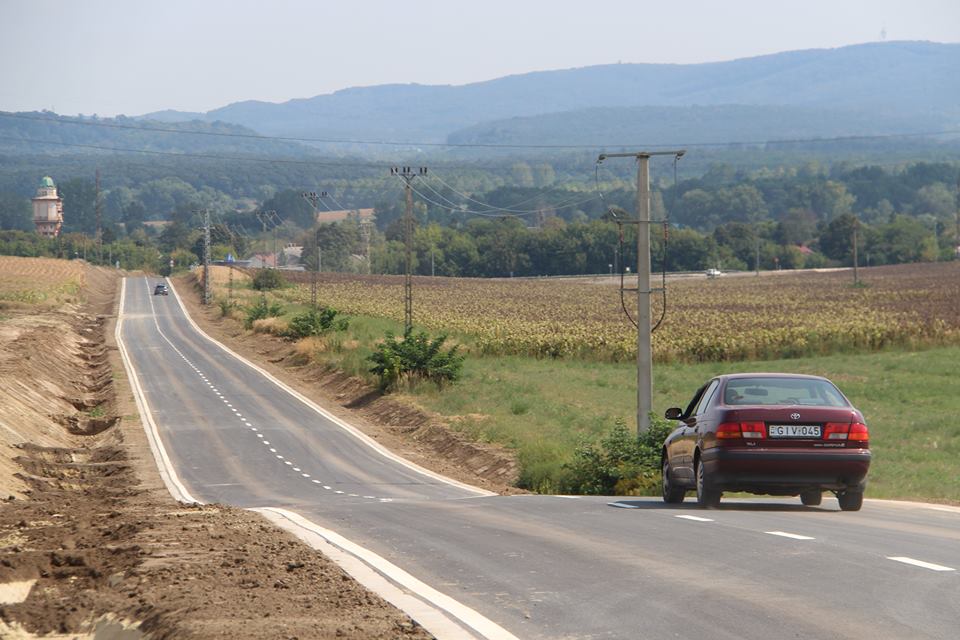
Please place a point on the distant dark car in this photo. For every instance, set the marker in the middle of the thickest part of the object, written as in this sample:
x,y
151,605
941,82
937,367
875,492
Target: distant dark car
x,y
161,290
767,433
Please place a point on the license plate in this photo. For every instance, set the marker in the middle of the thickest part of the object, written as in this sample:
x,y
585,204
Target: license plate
x,y
794,431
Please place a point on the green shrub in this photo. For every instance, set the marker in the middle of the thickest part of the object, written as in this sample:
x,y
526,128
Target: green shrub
x,y
261,310
267,279
315,322
621,463
415,356
226,307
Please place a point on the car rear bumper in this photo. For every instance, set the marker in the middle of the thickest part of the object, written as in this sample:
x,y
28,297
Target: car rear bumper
x,y
791,471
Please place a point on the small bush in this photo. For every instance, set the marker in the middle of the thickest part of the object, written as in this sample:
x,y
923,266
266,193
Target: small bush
x,y
315,323
267,279
415,356
261,310
622,463
226,307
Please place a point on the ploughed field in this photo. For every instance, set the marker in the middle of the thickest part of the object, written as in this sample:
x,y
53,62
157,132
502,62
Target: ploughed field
x,y
39,280
729,318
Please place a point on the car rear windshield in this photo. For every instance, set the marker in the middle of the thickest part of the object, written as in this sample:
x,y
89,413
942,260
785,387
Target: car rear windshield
x,y
788,391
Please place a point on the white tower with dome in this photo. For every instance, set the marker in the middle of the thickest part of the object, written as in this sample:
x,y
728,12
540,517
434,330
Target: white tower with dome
x,y
48,209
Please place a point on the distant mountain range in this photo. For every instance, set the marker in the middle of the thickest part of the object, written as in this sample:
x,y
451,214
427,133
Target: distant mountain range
x,y
860,90
892,87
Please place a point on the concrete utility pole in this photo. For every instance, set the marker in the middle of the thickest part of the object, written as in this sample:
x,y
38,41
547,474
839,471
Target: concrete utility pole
x,y
756,263
206,256
270,216
408,175
856,278
314,199
644,347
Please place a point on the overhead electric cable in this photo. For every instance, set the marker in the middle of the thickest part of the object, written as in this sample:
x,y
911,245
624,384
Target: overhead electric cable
x,y
478,145
495,208
208,156
488,214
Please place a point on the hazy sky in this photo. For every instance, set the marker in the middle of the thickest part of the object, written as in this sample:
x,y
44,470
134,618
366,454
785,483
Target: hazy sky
x,y
134,56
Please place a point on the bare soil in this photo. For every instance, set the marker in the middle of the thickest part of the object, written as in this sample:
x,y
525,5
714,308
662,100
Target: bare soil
x,y
92,545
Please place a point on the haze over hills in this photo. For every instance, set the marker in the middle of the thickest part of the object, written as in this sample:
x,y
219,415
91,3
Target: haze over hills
x,y
877,87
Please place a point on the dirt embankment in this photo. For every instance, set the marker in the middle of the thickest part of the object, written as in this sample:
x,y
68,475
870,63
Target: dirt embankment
x,y
416,434
91,543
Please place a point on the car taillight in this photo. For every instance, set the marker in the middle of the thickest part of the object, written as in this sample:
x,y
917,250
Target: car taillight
x,y
836,431
753,430
730,430
859,431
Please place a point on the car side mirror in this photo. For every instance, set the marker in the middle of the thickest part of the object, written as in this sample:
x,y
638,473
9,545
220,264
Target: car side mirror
x,y
673,413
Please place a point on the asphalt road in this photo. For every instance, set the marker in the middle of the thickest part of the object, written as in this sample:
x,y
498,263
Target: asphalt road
x,y
547,566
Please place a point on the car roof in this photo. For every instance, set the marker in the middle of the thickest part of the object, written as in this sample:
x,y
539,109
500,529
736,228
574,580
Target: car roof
x,y
734,376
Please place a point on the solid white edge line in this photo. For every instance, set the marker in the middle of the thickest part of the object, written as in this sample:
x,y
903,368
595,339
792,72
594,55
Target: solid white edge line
x,y
383,577
362,437
165,467
363,565
792,536
920,563
945,509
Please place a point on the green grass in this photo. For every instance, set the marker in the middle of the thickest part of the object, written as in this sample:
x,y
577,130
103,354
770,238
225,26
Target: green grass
x,y
542,408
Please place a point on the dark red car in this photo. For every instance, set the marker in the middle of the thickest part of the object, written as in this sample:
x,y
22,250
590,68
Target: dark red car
x,y
771,433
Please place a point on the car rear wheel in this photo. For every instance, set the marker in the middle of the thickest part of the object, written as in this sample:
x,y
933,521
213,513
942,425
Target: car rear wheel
x,y
811,498
850,500
707,496
672,494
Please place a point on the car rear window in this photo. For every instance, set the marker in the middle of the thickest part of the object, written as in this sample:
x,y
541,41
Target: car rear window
x,y
789,391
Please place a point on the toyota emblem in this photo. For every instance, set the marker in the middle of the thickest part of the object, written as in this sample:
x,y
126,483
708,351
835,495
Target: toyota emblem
x,y
794,416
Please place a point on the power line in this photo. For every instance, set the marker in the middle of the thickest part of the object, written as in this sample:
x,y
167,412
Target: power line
x,y
558,205
478,145
507,213
208,156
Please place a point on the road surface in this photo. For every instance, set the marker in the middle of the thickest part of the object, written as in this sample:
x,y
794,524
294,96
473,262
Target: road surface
x,y
544,566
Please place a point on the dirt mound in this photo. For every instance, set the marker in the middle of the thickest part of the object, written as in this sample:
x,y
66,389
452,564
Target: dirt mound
x,y
89,538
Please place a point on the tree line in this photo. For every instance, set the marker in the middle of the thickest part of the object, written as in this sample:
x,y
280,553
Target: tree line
x,y
728,218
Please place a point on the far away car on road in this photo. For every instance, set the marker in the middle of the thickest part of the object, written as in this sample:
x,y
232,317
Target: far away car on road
x,y
713,273
768,433
161,290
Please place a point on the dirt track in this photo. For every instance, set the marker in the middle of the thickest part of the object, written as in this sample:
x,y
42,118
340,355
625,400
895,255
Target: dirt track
x,y
89,539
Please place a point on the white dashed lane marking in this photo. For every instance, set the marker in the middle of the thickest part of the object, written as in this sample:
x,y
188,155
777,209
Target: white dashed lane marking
x,y
695,518
203,377
792,536
920,563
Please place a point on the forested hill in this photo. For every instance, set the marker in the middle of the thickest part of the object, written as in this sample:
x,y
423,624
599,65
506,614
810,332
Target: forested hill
x,y
884,82
720,124
45,132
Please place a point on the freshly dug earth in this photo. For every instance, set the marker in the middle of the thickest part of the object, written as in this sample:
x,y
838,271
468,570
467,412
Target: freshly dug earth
x,y
89,537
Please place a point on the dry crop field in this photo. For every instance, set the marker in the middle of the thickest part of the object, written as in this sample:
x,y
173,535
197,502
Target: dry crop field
x,y
729,318
39,280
